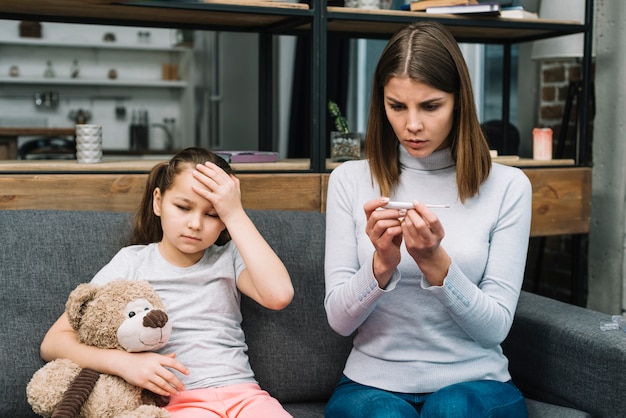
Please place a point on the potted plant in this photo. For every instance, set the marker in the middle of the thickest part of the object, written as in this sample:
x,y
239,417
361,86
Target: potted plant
x,y
344,145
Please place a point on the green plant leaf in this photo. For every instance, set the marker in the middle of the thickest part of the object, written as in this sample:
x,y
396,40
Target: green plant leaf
x,y
340,122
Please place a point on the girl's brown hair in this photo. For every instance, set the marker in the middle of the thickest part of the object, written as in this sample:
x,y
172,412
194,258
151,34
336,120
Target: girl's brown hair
x,y
427,52
146,225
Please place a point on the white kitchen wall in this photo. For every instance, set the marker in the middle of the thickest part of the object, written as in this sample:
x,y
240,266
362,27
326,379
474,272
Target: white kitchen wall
x,y
92,91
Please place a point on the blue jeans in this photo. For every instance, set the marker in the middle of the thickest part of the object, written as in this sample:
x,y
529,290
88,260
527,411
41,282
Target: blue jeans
x,y
483,398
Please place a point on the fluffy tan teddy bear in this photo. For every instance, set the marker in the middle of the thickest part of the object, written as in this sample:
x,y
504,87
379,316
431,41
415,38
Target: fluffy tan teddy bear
x,y
124,314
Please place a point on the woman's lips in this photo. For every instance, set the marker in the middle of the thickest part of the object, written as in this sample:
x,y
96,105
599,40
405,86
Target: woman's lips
x,y
415,143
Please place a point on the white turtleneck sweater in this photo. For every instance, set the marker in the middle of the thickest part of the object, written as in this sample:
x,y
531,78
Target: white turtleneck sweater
x,y
412,337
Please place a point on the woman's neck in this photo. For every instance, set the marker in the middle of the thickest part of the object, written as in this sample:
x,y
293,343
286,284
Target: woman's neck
x,y
435,161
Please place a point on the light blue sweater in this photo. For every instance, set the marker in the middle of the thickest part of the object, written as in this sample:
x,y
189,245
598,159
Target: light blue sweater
x,y
413,337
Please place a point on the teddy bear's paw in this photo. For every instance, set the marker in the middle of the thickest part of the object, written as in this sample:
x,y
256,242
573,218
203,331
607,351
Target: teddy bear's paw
x,y
146,411
47,386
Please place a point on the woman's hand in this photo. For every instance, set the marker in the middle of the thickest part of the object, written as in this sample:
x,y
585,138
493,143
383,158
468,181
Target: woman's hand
x,y
219,188
423,233
384,230
151,371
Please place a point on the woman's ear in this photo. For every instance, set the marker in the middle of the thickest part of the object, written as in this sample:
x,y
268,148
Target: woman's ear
x,y
156,201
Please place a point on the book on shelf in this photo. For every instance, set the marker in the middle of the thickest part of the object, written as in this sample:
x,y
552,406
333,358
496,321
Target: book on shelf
x,y
422,5
484,9
517,12
248,156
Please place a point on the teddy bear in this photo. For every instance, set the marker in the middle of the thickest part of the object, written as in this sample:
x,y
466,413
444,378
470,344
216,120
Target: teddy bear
x,y
123,314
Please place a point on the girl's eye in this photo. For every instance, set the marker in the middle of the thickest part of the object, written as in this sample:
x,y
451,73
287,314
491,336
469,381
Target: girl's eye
x,y
212,215
184,208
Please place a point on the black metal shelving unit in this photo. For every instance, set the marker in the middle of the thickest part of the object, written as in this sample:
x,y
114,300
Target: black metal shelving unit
x,y
316,22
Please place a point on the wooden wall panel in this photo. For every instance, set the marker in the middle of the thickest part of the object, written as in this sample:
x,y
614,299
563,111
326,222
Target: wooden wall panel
x,y
122,192
112,192
281,191
561,200
561,196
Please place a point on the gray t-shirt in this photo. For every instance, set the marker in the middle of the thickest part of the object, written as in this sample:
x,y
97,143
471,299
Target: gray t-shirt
x,y
203,303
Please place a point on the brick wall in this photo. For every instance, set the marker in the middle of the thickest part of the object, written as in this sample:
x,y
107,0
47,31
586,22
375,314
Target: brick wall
x,y
549,267
554,85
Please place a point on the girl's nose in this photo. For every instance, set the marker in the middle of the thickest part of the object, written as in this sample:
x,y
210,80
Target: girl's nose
x,y
195,222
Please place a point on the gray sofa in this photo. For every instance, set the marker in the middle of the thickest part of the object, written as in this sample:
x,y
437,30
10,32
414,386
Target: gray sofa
x,y
558,353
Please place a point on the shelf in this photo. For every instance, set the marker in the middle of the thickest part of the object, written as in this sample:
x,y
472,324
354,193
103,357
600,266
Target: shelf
x,y
384,23
103,45
94,82
277,17
225,15
134,163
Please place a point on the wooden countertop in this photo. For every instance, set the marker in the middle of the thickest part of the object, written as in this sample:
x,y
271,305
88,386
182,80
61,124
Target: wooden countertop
x,y
112,165
36,131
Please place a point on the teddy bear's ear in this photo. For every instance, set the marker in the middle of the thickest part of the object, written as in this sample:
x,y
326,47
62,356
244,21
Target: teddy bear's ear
x,y
77,301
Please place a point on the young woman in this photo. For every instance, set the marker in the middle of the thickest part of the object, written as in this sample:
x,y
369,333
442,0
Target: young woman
x,y
430,291
195,244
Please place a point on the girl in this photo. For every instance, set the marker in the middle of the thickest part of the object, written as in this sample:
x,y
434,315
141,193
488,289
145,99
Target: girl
x,y
195,244
431,293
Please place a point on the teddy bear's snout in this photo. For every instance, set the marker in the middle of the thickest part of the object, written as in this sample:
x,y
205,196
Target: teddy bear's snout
x,y
155,319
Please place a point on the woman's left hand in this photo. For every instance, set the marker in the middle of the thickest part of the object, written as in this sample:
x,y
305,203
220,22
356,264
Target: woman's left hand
x,y
219,188
423,233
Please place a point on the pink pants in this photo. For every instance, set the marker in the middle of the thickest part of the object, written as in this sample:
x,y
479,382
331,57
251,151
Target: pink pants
x,y
246,400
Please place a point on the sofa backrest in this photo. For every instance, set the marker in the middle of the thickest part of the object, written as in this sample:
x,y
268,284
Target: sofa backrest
x,y
295,354
44,255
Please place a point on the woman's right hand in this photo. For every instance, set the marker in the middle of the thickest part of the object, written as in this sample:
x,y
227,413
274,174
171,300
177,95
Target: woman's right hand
x,y
151,371
385,232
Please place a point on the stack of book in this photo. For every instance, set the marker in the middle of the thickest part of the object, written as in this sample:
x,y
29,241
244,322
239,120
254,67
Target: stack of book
x,y
471,7
422,5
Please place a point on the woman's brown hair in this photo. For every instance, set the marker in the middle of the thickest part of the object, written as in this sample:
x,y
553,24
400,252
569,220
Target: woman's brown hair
x,y
427,52
146,225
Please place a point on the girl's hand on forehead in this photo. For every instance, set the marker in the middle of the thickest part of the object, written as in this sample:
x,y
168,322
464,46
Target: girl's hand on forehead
x,y
219,188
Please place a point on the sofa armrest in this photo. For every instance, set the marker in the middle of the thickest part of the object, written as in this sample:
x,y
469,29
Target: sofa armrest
x,y
559,354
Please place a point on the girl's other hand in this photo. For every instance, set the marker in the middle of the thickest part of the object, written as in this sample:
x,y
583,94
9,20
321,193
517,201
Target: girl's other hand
x,y
151,371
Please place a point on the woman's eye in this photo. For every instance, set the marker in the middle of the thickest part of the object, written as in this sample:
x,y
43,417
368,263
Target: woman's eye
x,y
431,107
182,207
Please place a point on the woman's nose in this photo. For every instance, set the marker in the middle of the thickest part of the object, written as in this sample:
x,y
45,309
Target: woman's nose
x,y
413,122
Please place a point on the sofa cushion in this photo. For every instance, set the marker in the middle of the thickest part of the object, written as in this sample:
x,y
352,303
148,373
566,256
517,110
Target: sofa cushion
x,y
559,354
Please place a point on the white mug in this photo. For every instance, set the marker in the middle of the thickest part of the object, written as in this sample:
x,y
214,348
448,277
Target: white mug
x,y
88,143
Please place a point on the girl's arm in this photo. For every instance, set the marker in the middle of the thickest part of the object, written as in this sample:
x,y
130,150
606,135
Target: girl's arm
x,y
265,278
146,370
